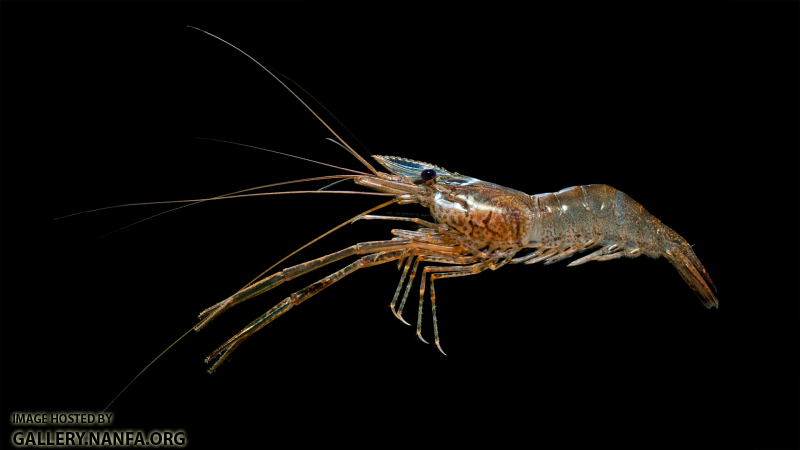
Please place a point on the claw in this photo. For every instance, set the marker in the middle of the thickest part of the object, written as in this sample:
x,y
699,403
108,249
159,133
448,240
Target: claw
x,y
440,348
223,353
213,312
419,336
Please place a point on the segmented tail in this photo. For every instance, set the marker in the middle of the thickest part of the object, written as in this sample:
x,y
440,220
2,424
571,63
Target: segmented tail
x,y
679,253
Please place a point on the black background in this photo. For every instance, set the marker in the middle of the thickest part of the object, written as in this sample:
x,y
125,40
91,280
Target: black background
x,y
692,111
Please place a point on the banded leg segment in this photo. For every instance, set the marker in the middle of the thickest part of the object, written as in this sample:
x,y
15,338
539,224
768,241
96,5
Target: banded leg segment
x,y
442,272
440,258
276,279
295,299
400,285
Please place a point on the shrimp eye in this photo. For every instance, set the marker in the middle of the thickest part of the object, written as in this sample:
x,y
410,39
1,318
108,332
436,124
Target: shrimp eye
x,y
428,174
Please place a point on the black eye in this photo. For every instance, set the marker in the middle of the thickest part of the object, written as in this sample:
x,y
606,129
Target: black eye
x,y
428,174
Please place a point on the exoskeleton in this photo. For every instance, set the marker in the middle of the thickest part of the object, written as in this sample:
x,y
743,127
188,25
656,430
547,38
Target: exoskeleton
x,y
477,225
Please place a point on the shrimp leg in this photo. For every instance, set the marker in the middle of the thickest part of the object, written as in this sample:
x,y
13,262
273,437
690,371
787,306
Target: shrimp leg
x,y
276,279
295,299
443,229
382,252
429,258
400,285
442,272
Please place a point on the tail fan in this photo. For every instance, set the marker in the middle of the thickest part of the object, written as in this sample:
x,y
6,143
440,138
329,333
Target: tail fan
x,y
680,254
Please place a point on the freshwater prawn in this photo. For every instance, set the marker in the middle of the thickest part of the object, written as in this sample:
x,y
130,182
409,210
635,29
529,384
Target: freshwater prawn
x,y
473,225
476,225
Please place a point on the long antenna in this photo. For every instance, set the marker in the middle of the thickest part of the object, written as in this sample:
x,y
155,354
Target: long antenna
x,y
284,154
205,200
326,110
200,200
248,284
363,161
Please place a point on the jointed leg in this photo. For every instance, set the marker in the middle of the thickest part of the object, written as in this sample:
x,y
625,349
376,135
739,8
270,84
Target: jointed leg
x,y
605,253
424,235
295,299
408,288
301,269
429,258
403,257
400,285
442,272
541,254
443,229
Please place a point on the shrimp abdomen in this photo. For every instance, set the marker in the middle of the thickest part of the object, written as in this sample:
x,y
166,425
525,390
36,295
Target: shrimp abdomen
x,y
644,232
599,214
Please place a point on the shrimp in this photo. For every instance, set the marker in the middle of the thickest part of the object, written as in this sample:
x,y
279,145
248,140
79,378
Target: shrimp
x,y
229,260
477,226
474,226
